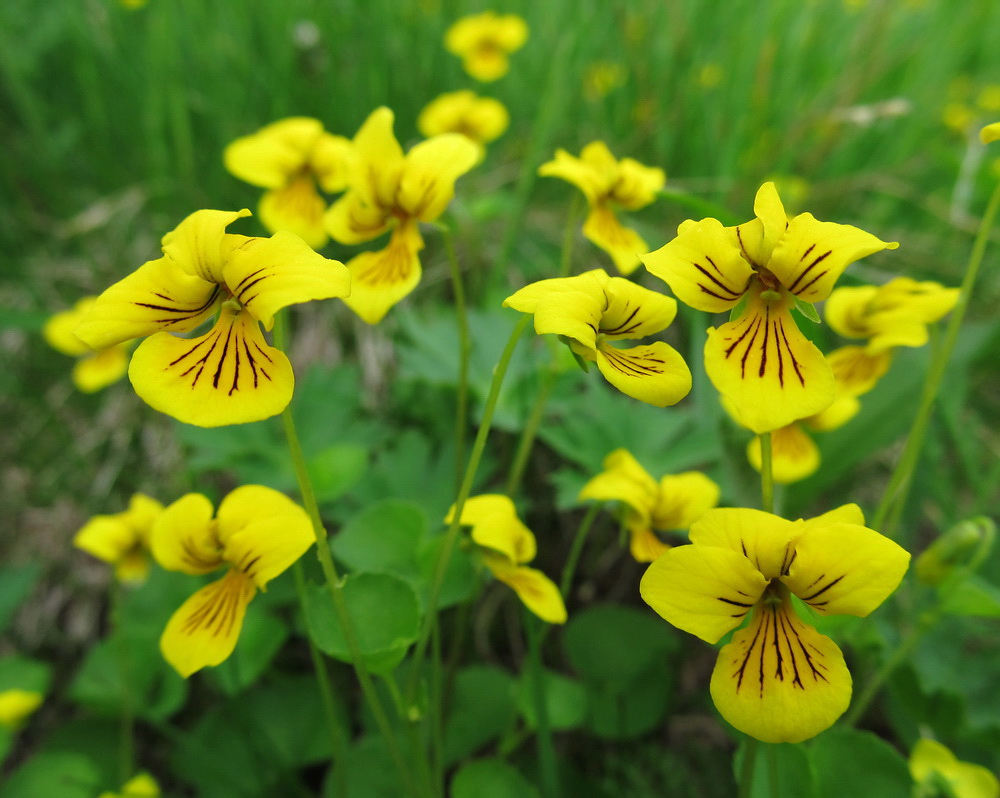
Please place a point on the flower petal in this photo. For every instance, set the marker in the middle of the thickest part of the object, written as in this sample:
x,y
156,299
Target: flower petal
x,y
353,220
268,274
229,375
495,525
378,165
16,705
703,266
653,373
624,245
263,532
758,237
200,244
794,455
332,161
965,779
780,680
811,255
682,499
570,306
856,370
637,184
769,371
184,536
703,590
298,208
427,183
845,568
764,539
270,157
644,545
990,133
101,369
624,480
537,592
204,631
575,170
380,280
58,330
634,312
158,296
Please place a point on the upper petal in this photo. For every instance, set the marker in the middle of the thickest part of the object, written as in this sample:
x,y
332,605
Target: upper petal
x,y
578,172
703,266
682,499
270,157
184,536
268,274
200,245
763,539
757,238
495,525
990,133
378,164
332,161
430,170
653,373
229,375
704,590
624,480
570,306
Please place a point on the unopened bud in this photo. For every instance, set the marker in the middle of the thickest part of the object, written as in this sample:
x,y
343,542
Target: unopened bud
x,y
962,546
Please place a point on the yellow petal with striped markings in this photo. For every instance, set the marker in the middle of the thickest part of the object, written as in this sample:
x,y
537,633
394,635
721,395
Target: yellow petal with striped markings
x,y
380,280
652,373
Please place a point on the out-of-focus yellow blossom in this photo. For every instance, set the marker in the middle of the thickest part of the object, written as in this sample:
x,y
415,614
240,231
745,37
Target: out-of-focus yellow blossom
x,y
990,133
603,77
229,375
937,772
988,98
390,190
593,310
94,368
506,544
480,119
710,75
770,372
606,183
968,105
673,503
484,42
122,539
289,158
16,706
778,680
257,534
133,4
141,786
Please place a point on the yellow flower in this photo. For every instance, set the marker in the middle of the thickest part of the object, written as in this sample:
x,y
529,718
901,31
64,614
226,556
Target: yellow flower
x,y
391,190
122,539
593,310
603,77
990,133
16,705
937,772
675,502
141,786
483,42
506,545
606,182
289,158
94,368
480,119
760,361
229,375
778,680
257,533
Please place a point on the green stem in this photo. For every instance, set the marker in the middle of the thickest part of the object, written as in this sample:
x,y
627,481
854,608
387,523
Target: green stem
x,y
338,744
451,536
546,748
576,548
899,484
126,743
464,347
766,474
746,772
772,770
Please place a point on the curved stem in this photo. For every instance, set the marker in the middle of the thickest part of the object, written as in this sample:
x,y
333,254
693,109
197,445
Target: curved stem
x,y
766,474
576,548
899,484
546,749
126,744
464,347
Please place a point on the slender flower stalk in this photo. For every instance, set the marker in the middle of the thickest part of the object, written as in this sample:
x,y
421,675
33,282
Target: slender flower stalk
x,y
546,750
464,347
577,547
766,474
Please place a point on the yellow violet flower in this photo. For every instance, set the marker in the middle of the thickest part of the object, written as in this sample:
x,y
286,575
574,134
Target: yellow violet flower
x,y
122,539
607,182
230,374
990,133
391,190
483,42
16,706
506,544
934,767
594,310
480,119
289,158
94,368
674,502
778,680
257,533
141,786
770,372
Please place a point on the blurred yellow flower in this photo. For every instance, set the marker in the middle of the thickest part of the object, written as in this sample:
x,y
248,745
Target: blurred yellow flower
x,y
122,539
710,75
506,544
606,183
257,534
484,41
673,503
391,190
481,119
603,77
94,368
16,706
229,375
990,133
937,771
289,158
141,786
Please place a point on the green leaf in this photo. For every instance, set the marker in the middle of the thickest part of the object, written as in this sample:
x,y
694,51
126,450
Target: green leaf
x,y
16,582
565,700
460,580
490,778
334,470
808,310
384,611
624,711
791,763
383,537
63,774
859,764
973,596
22,673
482,709
261,637
370,772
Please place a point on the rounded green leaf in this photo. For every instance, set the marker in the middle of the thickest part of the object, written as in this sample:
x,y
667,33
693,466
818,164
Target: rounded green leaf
x,y
859,764
490,778
383,537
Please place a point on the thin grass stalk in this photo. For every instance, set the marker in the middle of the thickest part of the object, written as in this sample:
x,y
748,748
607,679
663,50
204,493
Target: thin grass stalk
x,y
766,474
543,736
566,582
464,348
899,484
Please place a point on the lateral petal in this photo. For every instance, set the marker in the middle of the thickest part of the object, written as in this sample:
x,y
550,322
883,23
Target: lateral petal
x,y
570,306
637,184
158,296
845,568
653,373
427,183
634,312
58,330
380,280
644,545
101,369
769,371
703,590
332,161
298,208
200,244
683,498
271,156
204,631
184,538
703,266
779,680
856,370
352,219
763,539
229,375
624,480
576,171
537,592
624,245
495,525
